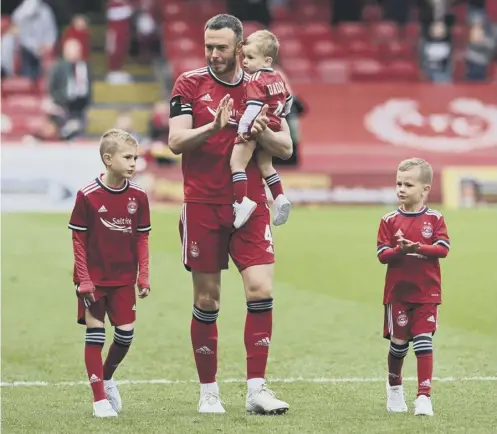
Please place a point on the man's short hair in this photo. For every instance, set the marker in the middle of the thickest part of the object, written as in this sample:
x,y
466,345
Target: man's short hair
x,y
425,170
111,139
266,42
225,21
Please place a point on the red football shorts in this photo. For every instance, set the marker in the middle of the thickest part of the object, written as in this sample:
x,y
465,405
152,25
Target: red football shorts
x,y
208,238
406,320
119,303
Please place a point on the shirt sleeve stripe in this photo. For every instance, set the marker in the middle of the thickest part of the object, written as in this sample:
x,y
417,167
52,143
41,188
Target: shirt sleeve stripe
x,y
254,102
443,243
77,228
382,249
144,229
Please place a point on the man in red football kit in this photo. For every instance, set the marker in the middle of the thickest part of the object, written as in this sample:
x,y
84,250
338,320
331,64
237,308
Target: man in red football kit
x,y
265,87
110,223
411,240
203,127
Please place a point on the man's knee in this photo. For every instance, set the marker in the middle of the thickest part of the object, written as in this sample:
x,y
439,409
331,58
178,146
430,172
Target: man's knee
x,y
258,282
207,290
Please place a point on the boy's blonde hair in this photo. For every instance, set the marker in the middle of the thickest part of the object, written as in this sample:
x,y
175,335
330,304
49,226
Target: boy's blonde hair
x,y
266,42
425,170
110,141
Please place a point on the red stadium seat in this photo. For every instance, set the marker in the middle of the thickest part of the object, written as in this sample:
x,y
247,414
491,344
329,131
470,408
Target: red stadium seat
x,y
323,50
397,50
412,32
460,34
183,47
384,31
181,65
351,31
316,32
366,70
291,48
311,13
285,30
402,70
360,49
492,11
5,24
26,104
18,124
299,70
333,71
250,27
17,85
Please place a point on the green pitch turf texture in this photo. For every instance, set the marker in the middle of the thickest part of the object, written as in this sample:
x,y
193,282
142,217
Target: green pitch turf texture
x,y
328,321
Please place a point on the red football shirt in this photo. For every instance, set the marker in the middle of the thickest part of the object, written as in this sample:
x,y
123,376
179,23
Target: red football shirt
x,y
266,86
413,277
112,218
206,169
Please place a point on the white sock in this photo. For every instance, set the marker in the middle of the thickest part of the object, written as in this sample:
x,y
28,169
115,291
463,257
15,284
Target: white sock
x,y
255,383
209,388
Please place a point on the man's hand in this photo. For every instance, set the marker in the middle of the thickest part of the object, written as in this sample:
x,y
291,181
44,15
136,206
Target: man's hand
x,y
407,246
85,290
223,113
260,122
143,287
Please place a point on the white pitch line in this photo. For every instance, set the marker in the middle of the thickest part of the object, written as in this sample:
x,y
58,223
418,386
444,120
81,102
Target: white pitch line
x,y
241,380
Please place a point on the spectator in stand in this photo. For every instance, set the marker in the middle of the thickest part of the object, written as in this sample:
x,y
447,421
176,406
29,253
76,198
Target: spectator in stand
x,y
9,48
158,127
79,30
147,27
124,121
479,51
37,35
70,88
436,48
119,13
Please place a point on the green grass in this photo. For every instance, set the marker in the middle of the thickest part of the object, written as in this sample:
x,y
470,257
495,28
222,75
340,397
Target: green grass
x,y
328,324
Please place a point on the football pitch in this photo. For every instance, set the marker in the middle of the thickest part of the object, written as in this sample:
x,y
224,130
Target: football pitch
x,y
327,359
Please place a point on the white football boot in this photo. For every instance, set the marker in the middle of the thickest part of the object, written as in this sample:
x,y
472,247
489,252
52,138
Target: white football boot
x,y
112,392
243,211
281,210
396,402
422,406
103,409
263,401
209,399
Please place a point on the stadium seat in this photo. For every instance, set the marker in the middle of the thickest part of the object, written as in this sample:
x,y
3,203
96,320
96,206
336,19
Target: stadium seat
x,y
397,50
402,70
27,104
412,32
366,70
5,24
17,85
298,70
292,48
16,125
250,27
361,49
351,31
371,13
311,13
460,34
285,30
181,65
183,47
333,71
384,31
325,49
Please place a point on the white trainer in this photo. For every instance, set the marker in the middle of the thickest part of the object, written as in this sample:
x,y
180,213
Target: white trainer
x,y
103,409
264,401
243,211
281,210
396,402
112,392
210,403
422,406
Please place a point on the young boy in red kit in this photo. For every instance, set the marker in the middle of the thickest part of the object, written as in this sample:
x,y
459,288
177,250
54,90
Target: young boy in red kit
x,y
111,224
411,240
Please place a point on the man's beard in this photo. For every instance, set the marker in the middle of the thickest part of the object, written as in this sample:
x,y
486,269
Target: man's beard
x,y
228,65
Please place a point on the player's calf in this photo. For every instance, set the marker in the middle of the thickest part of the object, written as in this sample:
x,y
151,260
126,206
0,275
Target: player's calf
x,y
395,390
117,352
423,348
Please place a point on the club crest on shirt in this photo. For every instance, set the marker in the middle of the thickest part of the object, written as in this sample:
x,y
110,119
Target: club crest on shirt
x,y
427,230
132,205
402,320
194,250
